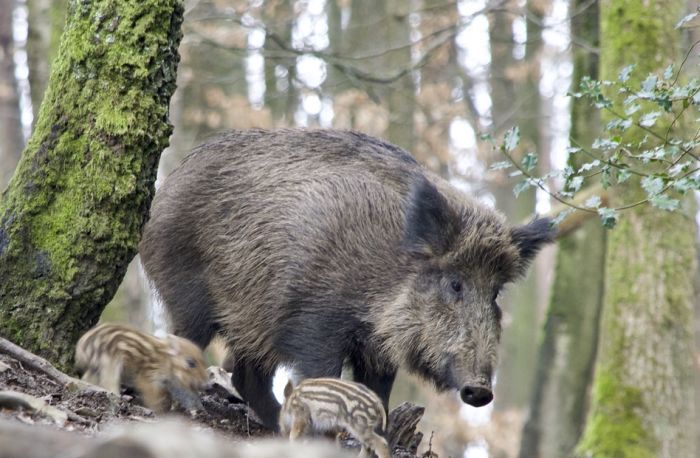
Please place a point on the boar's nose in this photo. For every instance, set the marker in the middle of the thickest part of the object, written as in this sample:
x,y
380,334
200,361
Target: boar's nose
x,y
476,396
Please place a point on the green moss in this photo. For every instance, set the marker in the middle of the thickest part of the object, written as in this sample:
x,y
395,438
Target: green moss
x,y
616,428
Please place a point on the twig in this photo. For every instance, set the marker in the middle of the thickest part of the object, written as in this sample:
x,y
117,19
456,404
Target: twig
x,y
41,365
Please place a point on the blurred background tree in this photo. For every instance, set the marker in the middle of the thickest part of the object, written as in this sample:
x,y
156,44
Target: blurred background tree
x,y
433,76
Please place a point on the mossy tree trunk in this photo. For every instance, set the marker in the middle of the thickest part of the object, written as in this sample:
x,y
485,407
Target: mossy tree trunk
x,y
71,218
568,346
642,402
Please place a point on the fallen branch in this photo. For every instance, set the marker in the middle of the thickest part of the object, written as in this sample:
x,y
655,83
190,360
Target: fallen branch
x,y
39,364
14,400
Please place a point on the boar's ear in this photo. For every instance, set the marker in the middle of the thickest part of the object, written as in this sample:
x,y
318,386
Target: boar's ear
x,y
430,222
531,237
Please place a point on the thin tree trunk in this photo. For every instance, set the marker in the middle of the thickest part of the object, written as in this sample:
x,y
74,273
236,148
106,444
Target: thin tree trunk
x,y
46,21
379,33
400,95
642,392
11,141
565,363
518,347
71,218
279,16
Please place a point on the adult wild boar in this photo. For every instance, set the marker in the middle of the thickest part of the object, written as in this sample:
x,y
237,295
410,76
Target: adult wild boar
x,y
314,248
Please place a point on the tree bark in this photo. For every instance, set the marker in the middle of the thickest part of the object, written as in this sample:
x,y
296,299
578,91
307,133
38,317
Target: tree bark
x,y
71,218
520,303
642,392
559,401
11,141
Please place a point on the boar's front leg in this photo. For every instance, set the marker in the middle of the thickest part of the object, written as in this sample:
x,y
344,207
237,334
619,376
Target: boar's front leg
x,y
378,379
255,386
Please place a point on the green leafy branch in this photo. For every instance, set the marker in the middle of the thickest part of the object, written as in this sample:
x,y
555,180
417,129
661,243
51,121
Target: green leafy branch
x,y
646,143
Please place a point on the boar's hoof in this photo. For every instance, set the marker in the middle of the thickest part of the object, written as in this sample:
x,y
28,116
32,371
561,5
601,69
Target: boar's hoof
x,y
476,396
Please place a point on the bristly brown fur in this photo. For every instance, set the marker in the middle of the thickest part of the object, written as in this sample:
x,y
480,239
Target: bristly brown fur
x,y
313,247
161,370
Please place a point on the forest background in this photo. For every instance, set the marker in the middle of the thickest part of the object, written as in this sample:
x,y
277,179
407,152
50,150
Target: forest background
x,y
600,349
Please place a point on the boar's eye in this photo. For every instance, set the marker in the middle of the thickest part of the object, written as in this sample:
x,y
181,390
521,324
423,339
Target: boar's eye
x,y
456,286
191,363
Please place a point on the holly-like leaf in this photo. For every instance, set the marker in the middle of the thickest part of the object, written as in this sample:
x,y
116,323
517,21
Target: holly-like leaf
x,y
500,165
520,187
625,73
605,144
684,185
529,162
649,84
511,139
632,109
652,185
575,183
664,202
668,73
592,202
623,175
589,165
649,119
679,168
608,216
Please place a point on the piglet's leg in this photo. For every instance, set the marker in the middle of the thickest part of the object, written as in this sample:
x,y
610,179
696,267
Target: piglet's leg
x,y
153,394
379,445
300,426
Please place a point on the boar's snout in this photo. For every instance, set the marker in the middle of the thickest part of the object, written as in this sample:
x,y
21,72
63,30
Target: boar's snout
x,y
476,396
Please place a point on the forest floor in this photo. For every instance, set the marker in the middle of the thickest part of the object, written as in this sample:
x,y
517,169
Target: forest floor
x,y
86,412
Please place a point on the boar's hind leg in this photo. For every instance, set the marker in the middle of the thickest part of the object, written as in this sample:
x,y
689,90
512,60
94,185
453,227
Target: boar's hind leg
x,y
179,276
255,386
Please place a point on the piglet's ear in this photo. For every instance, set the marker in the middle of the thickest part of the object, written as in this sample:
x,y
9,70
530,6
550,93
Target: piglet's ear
x,y
288,388
531,237
430,222
173,345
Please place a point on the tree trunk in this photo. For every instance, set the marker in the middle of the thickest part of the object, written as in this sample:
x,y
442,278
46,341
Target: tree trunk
x,y
400,95
377,35
279,16
642,393
520,303
565,364
71,219
11,141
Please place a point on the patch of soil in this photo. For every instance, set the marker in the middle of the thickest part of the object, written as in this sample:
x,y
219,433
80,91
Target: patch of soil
x,y
90,411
